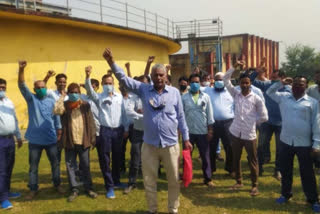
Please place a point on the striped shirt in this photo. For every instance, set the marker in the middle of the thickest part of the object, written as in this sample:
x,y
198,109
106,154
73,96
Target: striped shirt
x,y
249,111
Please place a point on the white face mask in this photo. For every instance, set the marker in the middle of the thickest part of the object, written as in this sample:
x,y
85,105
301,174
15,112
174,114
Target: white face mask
x,y
108,88
2,94
206,84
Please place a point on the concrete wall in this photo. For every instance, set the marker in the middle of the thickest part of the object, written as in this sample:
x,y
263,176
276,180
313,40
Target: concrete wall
x,y
67,46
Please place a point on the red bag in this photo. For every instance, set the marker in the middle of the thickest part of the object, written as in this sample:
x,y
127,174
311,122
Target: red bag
x,y
187,167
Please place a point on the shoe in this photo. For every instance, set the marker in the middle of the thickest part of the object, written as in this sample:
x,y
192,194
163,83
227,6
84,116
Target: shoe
x,y
92,194
210,184
120,186
110,194
60,190
6,205
219,157
277,175
316,207
31,195
237,186
254,191
14,195
129,189
72,196
282,200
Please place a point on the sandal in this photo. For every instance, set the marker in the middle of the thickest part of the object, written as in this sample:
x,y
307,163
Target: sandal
x,y
254,191
237,186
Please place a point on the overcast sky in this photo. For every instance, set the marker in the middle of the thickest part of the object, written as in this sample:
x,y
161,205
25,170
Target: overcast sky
x,y
287,21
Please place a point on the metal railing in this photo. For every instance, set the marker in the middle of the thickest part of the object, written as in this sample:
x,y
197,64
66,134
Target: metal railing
x,y
104,11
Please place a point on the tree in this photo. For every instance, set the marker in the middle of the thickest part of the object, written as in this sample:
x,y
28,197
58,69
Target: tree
x,y
301,60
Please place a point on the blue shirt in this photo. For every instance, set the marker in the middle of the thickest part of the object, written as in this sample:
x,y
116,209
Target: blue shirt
x,y
112,113
160,124
272,107
8,119
222,103
198,115
42,122
300,118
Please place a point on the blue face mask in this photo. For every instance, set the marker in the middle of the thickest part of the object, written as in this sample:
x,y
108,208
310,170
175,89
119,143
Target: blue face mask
x,y
2,94
108,88
73,97
194,87
219,84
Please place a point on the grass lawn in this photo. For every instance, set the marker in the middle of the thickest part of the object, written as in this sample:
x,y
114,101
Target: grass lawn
x,y
195,199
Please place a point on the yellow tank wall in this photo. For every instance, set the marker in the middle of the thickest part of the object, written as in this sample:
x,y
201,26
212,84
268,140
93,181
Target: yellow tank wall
x,y
68,48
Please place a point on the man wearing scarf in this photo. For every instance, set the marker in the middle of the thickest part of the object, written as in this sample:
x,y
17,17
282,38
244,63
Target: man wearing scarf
x,y
78,135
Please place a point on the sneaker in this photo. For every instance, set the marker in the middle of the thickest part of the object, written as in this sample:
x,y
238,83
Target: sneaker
x,y
92,194
316,207
31,195
14,195
281,200
129,189
110,194
120,186
72,196
6,205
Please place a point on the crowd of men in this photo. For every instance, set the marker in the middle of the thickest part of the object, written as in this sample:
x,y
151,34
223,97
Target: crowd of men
x,y
153,116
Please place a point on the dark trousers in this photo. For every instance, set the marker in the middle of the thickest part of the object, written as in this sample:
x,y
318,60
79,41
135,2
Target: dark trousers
x,y
266,131
137,140
221,131
251,149
84,165
203,147
7,155
35,152
124,148
307,175
110,142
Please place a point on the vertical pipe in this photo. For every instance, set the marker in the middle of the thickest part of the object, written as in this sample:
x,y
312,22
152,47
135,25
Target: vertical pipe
x,y
68,7
156,23
101,14
145,20
172,30
167,27
34,5
127,21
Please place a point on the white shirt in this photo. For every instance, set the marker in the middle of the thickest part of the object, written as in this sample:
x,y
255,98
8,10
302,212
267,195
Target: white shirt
x,y
249,111
94,111
8,120
55,94
112,113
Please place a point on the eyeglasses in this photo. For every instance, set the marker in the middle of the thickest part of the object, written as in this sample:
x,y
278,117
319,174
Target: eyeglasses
x,y
154,107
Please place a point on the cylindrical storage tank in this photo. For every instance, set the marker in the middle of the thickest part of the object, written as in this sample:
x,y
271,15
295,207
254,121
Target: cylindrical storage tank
x,y
67,45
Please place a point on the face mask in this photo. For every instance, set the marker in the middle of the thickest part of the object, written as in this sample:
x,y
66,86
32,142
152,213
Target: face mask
x,y
2,94
108,88
73,97
41,92
194,87
183,87
206,84
219,84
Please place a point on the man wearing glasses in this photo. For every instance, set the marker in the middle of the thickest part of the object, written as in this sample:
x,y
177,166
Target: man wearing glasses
x,y
163,116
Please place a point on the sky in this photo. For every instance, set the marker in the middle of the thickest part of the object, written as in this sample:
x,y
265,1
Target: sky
x,y
286,21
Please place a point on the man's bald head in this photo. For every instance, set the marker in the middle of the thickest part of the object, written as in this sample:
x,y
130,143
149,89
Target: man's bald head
x,y
218,76
39,84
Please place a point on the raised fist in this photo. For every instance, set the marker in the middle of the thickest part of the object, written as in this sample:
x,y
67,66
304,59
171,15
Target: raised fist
x,y
22,64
